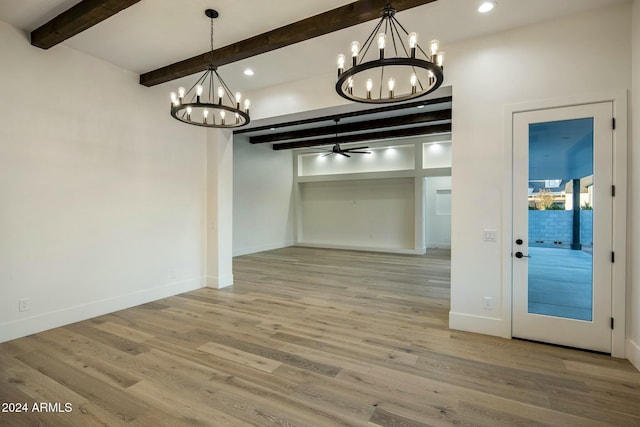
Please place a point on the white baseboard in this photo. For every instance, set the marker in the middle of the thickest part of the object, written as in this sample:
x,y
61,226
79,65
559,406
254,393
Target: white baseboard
x,y
439,245
42,322
362,248
479,324
261,248
219,282
632,352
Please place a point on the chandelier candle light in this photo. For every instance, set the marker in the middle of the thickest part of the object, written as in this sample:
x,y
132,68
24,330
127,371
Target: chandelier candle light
x,y
201,107
396,72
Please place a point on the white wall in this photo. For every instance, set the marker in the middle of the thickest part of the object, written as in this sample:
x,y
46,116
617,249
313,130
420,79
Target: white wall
x,y
576,55
371,214
102,194
295,97
262,197
379,159
633,343
438,212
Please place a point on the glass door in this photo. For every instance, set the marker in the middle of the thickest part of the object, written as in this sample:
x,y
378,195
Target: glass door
x,y
562,213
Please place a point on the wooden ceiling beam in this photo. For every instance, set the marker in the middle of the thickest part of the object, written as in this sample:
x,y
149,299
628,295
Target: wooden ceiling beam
x,y
357,113
76,19
407,120
333,20
371,136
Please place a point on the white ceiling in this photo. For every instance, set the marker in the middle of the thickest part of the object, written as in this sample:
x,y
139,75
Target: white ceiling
x,y
561,150
154,33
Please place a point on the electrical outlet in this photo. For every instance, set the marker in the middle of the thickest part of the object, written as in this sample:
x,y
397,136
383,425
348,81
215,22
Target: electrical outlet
x,y
487,303
24,304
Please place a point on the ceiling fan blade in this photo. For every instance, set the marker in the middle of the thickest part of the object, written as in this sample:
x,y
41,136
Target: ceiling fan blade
x,y
328,154
344,154
360,152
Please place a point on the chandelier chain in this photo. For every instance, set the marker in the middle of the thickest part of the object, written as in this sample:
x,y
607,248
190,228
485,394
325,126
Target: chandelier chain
x,y
211,56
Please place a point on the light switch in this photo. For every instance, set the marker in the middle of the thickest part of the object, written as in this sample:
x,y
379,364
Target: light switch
x,y
490,235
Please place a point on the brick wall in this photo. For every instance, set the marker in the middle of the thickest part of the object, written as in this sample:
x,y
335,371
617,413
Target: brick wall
x,y
555,228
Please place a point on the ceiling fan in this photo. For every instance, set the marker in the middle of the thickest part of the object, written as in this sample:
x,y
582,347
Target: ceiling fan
x,y
336,149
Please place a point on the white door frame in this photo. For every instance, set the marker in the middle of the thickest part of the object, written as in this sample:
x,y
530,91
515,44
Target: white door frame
x,y
618,281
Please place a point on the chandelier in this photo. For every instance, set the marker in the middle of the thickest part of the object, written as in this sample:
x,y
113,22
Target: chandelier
x,y
395,72
200,106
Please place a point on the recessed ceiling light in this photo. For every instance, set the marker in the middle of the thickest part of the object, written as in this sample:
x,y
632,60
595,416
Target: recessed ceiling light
x,y
248,72
486,6
420,106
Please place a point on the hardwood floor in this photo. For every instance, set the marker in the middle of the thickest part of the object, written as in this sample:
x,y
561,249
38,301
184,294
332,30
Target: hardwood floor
x,y
309,337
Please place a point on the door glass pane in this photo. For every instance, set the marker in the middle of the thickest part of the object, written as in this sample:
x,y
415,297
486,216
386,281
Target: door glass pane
x,y
560,200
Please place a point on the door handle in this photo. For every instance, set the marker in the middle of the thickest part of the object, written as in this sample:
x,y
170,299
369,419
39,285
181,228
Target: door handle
x,y
521,255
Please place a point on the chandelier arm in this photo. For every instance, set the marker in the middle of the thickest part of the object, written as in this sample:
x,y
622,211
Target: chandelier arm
x,y
418,78
381,81
419,81
212,97
227,91
423,52
200,80
193,95
393,23
407,33
393,37
386,30
367,44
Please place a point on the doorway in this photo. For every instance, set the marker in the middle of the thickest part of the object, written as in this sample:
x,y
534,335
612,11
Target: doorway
x,y
562,235
437,224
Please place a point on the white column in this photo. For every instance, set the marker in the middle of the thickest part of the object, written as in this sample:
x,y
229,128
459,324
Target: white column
x,y
219,208
420,244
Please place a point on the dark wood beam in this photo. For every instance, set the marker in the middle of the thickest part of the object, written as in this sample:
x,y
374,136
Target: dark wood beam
x,y
371,136
336,19
397,121
390,107
78,18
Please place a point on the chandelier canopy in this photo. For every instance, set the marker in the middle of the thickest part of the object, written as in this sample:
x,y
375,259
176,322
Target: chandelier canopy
x,y
398,71
210,102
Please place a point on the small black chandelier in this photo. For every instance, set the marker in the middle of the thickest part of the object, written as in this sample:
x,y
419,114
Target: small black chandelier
x,y
378,78
201,107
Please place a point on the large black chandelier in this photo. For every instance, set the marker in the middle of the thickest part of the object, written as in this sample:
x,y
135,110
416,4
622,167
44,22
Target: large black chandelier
x,y
397,71
210,102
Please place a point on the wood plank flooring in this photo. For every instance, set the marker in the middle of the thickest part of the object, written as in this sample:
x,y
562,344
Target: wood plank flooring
x,y
309,337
